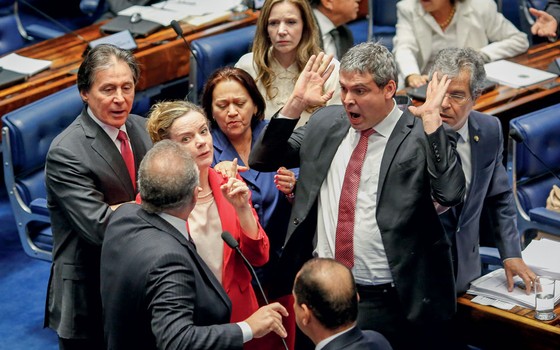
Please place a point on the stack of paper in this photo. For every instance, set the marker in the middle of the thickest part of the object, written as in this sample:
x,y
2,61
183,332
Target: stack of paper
x,y
543,257
516,75
15,68
494,285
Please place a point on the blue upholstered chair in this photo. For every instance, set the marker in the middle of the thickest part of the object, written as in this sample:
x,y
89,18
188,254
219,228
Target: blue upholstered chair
x,y
27,134
535,135
26,137
216,51
10,39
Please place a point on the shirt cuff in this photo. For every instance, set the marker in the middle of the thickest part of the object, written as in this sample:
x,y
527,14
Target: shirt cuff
x,y
246,330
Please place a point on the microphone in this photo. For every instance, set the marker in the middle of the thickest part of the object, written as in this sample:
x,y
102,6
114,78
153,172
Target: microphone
x,y
23,32
233,244
517,137
177,28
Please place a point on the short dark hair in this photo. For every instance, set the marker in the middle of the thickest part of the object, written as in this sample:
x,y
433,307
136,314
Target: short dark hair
x,y
102,57
328,289
167,177
243,78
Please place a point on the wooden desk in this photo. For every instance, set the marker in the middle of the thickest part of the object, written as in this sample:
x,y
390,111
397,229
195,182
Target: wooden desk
x,y
492,328
162,58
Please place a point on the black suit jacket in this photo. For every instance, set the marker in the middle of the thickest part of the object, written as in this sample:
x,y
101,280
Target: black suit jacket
x,y
85,174
356,339
157,292
345,35
414,169
490,188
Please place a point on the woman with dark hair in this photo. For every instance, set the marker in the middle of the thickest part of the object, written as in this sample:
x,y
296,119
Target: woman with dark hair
x,y
424,27
235,107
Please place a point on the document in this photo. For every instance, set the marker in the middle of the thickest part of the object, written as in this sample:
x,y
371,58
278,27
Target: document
x,y
543,257
23,65
516,75
494,285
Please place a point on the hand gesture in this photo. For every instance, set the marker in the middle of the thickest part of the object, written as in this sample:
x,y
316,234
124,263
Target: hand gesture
x,y
235,190
429,112
545,25
516,266
224,168
268,319
285,180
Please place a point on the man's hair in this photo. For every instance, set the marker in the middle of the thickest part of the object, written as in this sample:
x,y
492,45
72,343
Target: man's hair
x,y
452,61
167,177
102,57
372,58
328,289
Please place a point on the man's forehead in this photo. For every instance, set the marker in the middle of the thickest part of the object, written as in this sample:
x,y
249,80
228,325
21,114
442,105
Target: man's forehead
x,y
355,78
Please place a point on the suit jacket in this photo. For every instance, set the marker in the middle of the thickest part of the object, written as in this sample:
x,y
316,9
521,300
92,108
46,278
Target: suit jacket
x,y
356,339
345,35
157,292
418,251
236,277
85,174
489,187
479,26
553,8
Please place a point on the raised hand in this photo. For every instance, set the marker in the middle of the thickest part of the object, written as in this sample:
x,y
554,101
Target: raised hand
x,y
285,180
268,319
224,168
545,24
429,112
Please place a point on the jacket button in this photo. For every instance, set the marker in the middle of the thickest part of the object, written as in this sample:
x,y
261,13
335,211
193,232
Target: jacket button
x,y
296,221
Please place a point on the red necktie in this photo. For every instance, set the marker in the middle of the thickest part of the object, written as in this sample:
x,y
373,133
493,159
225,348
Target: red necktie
x,y
344,243
128,157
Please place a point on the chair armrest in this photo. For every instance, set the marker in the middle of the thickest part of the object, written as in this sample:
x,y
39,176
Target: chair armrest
x,y
490,256
41,32
39,206
545,216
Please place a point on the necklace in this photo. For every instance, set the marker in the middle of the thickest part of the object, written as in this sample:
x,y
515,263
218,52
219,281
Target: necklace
x,y
445,23
204,195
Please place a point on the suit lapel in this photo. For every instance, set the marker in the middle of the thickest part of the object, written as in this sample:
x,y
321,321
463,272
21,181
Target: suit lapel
x,y
205,272
401,131
135,136
105,147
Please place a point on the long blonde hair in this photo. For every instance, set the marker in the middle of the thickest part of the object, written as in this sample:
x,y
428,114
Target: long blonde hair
x,y
262,53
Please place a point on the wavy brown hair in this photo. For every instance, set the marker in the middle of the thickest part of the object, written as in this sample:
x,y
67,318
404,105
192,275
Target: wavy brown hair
x,y
262,53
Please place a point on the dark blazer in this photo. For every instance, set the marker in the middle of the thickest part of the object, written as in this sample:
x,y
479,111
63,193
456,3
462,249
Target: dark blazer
x,y
418,251
157,292
85,174
356,339
489,187
345,35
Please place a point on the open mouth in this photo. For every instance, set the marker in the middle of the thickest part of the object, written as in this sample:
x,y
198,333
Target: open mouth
x,y
354,115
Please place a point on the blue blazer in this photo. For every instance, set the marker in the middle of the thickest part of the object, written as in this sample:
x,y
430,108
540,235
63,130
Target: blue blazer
x,y
490,187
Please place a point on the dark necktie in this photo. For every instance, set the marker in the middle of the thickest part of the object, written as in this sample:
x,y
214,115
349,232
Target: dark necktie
x,y
336,38
344,242
128,157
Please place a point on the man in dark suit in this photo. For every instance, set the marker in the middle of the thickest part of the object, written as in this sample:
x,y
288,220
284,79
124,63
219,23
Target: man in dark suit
x,y
331,17
480,147
326,308
546,22
157,292
397,247
86,176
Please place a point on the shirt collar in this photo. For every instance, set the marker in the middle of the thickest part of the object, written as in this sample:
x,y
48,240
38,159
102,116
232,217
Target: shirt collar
x,y
386,126
324,22
325,341
178,223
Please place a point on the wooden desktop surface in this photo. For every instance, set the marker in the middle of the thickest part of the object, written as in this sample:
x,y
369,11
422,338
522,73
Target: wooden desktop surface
x,y
492,328
163,57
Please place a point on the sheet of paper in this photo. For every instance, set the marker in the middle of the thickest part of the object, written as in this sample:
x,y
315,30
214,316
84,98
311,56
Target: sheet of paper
x,y
543,257
492,302
23,65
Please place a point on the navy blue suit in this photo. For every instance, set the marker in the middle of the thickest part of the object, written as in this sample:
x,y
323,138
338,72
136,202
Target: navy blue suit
x,y
356,339
489,187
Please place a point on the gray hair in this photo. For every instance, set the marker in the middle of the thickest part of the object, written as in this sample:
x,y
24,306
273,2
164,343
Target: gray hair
x,y
167,177
452,61
102,57
372,58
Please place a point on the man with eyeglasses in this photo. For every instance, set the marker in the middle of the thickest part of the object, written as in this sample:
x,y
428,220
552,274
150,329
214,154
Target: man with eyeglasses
x,y
480,148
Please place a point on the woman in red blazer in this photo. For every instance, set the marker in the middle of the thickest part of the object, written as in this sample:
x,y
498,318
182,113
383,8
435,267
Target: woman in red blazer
x,y
223,204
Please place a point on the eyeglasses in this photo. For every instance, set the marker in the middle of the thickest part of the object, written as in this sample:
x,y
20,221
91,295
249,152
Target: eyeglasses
x,y
458,99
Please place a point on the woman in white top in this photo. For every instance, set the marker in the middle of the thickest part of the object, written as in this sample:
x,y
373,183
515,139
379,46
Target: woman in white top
x,y
424,27
286,37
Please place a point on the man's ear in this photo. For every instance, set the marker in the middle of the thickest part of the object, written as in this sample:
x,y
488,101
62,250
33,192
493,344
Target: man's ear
x,y
328,4
305,315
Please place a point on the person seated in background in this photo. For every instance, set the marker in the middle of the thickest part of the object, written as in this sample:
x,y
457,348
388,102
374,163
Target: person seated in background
x,y
285,38
224,204
157,292
326,308
235,109
331,17
426,27
546,23
90,169
480,147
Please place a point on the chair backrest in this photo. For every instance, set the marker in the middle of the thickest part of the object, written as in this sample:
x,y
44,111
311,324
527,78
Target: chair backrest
x,y
532,179
10,39
30,131
382,21
217,51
